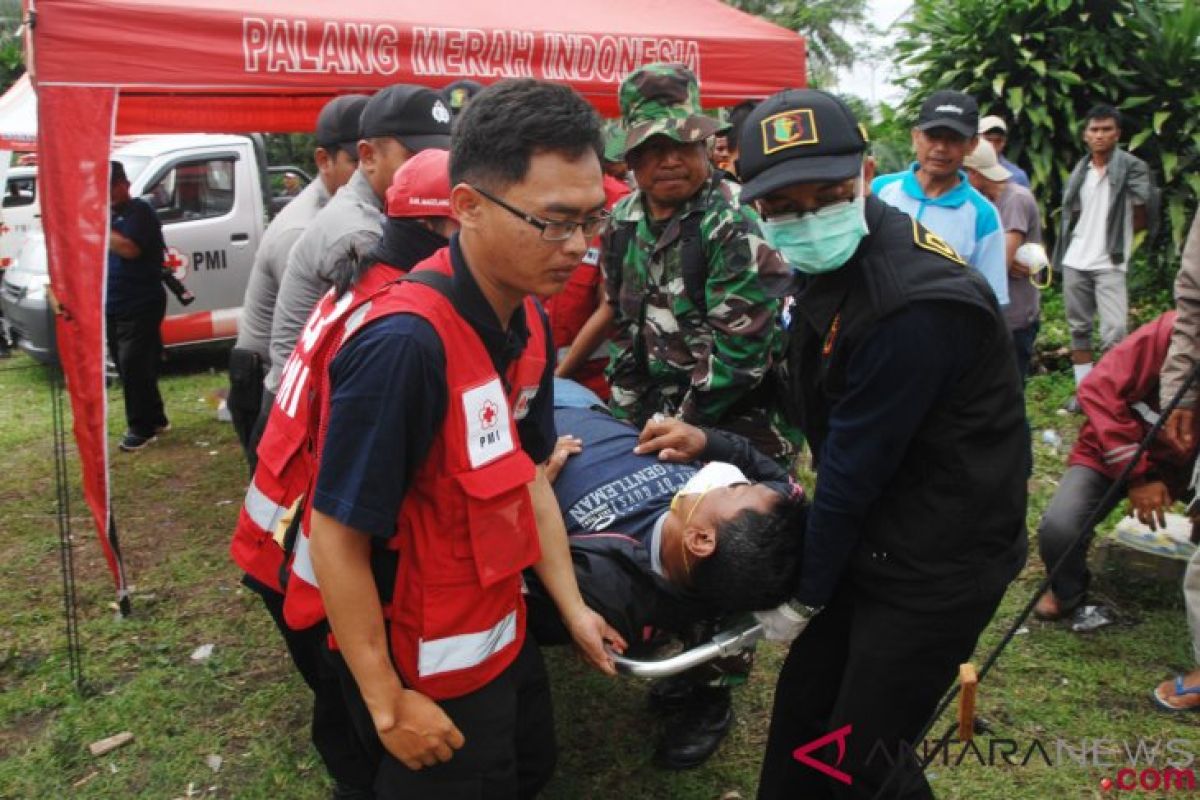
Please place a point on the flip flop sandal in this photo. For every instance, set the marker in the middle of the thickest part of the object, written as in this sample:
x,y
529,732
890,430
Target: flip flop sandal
x,y
1180,691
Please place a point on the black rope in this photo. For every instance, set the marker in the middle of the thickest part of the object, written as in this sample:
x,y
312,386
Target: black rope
x,y
66,552
1108,501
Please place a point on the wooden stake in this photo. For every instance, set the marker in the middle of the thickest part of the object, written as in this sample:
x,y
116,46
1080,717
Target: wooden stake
x,y
110,743
969,683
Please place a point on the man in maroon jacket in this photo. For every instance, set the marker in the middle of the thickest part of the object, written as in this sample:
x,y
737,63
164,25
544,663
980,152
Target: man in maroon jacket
x,y
1120,399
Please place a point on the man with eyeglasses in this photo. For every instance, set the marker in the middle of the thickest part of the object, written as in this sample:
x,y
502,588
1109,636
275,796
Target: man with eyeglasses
x,y
429,499
902,377
694,288
695,293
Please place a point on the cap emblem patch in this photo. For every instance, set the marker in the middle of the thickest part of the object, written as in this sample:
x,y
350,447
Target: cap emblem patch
x,y
440,112
789,129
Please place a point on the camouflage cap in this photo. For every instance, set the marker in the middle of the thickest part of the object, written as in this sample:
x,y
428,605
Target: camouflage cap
x,y
663,100
614,141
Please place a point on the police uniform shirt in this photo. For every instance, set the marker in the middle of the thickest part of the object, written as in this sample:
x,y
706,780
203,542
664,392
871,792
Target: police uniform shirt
x,y
258,307
388,398
351,222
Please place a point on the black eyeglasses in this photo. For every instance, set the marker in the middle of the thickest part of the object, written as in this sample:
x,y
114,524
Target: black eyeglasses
x,y
554,230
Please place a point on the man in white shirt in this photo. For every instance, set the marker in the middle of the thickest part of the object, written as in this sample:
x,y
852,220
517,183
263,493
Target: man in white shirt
x,y
1105,203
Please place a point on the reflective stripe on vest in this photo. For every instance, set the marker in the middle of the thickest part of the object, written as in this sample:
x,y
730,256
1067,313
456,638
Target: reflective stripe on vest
x,y
302,566
264,512
285,464
466,650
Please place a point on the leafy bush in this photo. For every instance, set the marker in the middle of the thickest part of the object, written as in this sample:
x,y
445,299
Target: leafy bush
x,y
1043,63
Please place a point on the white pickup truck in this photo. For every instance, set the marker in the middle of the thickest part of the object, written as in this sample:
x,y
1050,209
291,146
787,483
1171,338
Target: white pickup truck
x,y
20,213
211,193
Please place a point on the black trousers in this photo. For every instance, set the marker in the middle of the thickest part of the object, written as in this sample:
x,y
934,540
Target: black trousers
x,y
246,372
879,669
350,762
135,345
508,725
260,424
1023,342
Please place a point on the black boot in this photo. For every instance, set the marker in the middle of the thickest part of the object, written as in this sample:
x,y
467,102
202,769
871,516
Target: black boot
x,y
669,695
697,733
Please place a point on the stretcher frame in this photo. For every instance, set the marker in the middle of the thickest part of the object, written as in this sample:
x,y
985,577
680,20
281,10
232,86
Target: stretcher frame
x,y
724,643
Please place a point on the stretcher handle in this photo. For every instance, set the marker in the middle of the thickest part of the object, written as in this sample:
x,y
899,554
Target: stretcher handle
x,y
724,643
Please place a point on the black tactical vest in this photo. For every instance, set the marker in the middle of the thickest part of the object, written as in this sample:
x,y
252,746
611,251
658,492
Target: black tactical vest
x,y
952,519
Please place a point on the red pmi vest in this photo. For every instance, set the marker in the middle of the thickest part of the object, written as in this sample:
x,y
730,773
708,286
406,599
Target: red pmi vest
x,y
285,463
466,528
569,311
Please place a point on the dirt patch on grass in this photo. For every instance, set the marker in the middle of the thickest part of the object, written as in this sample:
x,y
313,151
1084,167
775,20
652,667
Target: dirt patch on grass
x,y
16,736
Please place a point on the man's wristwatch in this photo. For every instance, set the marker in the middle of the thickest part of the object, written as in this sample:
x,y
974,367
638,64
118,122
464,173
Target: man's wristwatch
x,y
805,611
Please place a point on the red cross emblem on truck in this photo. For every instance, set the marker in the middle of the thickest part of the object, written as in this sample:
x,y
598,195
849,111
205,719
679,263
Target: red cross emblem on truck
x,y
175,261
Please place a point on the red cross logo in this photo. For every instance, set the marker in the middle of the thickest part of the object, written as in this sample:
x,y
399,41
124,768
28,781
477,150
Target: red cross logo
x,y
4,229
488,414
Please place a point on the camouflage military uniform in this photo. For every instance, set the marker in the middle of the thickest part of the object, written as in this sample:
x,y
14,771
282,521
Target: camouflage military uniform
x,y
666,356
711,365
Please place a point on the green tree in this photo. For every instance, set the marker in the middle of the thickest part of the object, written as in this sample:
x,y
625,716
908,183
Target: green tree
x,y
12,57
1043,63
823,24
891,140
292,149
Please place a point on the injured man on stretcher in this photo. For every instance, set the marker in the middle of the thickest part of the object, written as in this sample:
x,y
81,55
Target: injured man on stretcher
x,y
665,545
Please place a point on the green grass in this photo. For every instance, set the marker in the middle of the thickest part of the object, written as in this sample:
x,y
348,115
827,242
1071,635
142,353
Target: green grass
x,y
176,503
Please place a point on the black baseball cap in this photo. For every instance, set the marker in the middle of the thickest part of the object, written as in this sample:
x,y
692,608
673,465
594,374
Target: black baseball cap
x,y
417,116
798,136
337,124
947,108
459,93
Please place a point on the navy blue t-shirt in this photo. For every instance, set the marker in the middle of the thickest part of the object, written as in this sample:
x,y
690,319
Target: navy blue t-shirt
x,y
135,284
607,486
388,399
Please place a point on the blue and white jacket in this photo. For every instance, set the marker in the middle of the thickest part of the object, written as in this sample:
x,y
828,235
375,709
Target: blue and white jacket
x,y
963,217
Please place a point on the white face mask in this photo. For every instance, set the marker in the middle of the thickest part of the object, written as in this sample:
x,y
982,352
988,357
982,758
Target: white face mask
x,y
711,476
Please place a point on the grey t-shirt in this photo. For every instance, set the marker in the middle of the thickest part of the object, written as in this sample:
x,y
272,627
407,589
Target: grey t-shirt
x,y
1019,212
258,305
351,222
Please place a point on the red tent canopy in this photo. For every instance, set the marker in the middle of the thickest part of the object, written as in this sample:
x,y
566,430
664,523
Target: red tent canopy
x,y
159,66
268,66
